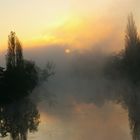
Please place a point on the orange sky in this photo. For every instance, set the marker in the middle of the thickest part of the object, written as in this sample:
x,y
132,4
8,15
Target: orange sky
x,y
75,24
78,24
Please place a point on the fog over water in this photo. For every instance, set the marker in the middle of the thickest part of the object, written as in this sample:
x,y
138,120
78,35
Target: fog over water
x,y
78,102
79,38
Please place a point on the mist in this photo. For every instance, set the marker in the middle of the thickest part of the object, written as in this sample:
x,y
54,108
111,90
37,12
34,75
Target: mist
x,y
80,87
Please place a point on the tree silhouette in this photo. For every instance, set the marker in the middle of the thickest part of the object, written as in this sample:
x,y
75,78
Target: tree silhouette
x,y
131,57
20,76
18,115
14,52
131,67
126,66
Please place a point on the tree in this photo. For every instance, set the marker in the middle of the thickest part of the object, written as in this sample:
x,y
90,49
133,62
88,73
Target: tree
x,y
18,115
14,57
19,54
20,76
131,37
131,57
127,66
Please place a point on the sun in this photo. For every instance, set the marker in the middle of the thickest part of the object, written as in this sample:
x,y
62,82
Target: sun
x,y
67,51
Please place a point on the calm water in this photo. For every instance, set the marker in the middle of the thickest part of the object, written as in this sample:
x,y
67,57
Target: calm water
x,y
79,122
73,117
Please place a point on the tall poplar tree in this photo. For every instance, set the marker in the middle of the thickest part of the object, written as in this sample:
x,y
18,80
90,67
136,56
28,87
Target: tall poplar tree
x,y
14,56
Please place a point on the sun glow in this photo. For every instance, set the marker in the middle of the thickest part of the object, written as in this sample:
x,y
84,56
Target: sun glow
x,y
79,24
76,32
67,51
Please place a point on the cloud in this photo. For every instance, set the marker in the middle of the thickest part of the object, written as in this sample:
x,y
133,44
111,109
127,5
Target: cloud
x,y
82,33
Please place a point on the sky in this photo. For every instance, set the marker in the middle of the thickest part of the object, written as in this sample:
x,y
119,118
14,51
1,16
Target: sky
x,y
76,23
58,31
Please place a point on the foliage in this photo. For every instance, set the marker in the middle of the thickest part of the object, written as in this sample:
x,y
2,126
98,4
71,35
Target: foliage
x,y
126,66
21,76
18,115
